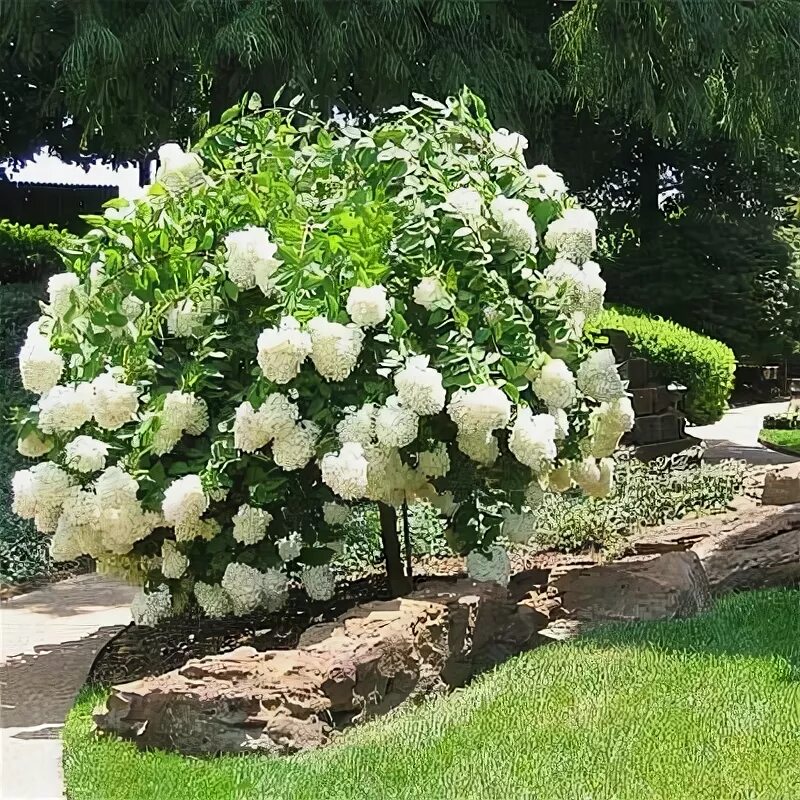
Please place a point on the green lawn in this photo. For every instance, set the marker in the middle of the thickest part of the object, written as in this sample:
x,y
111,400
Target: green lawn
x,y
702,709
789,439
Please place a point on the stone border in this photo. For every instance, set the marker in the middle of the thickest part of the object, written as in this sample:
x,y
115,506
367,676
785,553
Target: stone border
x,y
777,448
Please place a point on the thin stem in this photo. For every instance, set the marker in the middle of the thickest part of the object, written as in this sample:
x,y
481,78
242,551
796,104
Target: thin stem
x,y
407,542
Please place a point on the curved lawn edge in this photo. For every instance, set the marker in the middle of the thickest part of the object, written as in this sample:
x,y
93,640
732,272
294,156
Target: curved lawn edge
x,y
622,712
783,449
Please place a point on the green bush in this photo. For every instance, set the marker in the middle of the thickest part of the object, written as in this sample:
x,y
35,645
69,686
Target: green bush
x,y
29,253
705,366
23,551
782,422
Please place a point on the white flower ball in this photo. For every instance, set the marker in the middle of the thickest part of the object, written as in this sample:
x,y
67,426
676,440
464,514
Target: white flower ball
x,y
509,143
479,410
249,429
245,587
518,528
213,599
480,446
290,547
555,385
445,504
490,567
559,479
40,367
251,259
551,184
395,425
334,348
185,320
595,478
60,290
464,202
115,488
294,448
532,440
173,562
367,306
184,499
573,235
65,408
86,454
33,445
336,513
434,463
250,524
150,609
345,472
514,223
114,403
179,171
282,350
598,377
429,293
275,587
319,582
358,425
419,387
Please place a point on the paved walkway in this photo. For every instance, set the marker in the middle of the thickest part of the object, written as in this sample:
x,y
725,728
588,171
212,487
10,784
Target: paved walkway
x,y
736,435
49,639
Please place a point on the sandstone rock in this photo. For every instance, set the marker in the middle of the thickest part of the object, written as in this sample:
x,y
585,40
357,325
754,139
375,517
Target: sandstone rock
x,y
364,664
753,552
782,487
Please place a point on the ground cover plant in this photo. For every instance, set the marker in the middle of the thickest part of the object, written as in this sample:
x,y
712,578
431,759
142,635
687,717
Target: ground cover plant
x,y
783,438
300,317
706,708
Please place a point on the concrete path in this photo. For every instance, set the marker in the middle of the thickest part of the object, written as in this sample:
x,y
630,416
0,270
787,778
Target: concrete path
x,y
49,639
736,435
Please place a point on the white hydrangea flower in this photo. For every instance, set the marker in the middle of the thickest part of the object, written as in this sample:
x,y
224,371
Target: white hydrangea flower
x,y
561,421
345,472
434,463
514,223
196,528
573,235
518,527
173,562
595,478
464,202
559,479
290,547
419,386
184,499
250,524
480,410
395,425
555,384
550,183
294,448
336,513
480,446
213,599
40,489
358,425
253,430
130,195
86,454
114,403
124,525
73,536
282,350
185,320
115,488
275,586
60,290
532,440
65,408
583,288
245,587
335,348
33,445
429,293
251,259
179,171
319,582
490,567
509,143
534,494
132,307
150,609
367,306
337,547
598,377
185,412
40,367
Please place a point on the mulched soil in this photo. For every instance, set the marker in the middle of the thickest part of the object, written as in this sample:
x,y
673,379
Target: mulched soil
x,y
137,652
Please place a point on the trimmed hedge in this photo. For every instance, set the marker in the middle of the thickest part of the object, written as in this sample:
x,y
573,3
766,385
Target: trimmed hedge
x,y
704,365
782,422
29,253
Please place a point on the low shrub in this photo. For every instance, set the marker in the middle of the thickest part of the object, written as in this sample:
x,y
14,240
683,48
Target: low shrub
x,y
781,439
782,422
29,253
705,366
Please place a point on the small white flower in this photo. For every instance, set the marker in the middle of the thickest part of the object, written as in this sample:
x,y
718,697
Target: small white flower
x,y
33,445
282,350
173,562
293,449
514,224
550,183
40,367
490,567
419,387
179,171
559,479
345,472
555,384
65,408
429,293
334,347
319,582
86,454
115,488
290,547
61,289
367,306
185,320
213,599
480,446
358,425
464,202
532,440
509,143
598,377
573,235
184,500
480,410
250,524
251,259
595,478
395,425
114,403
150,609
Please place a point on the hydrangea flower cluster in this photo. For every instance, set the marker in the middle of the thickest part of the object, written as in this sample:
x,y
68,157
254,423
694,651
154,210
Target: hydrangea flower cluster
x,y
237,358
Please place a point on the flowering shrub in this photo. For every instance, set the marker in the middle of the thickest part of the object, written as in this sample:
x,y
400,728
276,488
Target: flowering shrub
x,y
297,318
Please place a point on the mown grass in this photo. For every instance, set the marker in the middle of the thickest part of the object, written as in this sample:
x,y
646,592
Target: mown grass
x,y
701,709
787,439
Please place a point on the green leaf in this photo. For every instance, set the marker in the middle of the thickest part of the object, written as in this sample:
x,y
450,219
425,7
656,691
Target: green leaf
x,y
231,290
230,113
117,320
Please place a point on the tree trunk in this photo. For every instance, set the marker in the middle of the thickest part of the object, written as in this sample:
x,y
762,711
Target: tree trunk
x,y
398,582
649,180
